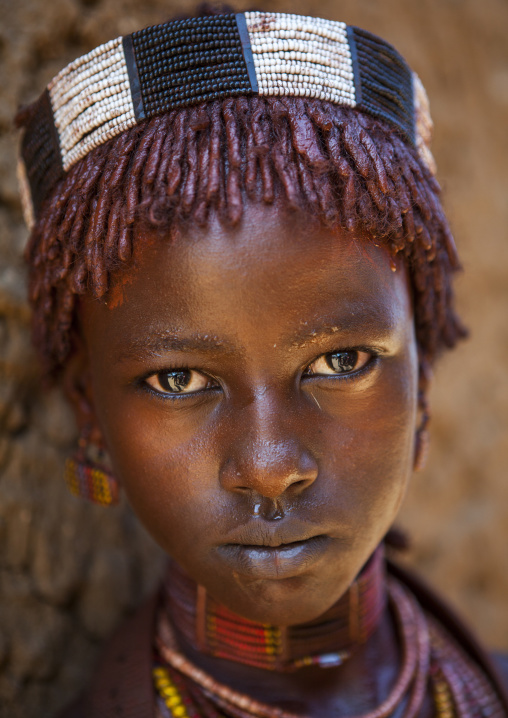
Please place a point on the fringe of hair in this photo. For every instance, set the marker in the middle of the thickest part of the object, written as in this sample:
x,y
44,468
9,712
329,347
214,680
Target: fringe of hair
x,y
336,164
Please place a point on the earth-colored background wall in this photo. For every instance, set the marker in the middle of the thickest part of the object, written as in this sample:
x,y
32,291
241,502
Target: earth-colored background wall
x,y
69,572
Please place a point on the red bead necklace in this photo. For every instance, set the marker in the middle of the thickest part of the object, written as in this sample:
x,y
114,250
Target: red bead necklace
x,y
211,628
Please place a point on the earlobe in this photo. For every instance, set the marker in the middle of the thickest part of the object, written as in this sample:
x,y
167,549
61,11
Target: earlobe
x,y
77,386
422,437
87,473
422,443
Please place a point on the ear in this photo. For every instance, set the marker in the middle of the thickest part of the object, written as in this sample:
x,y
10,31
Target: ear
x,y
422,438
78,390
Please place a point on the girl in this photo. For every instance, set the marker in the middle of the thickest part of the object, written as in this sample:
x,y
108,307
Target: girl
x,y
241,273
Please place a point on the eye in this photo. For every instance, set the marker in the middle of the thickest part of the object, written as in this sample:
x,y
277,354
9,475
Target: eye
x,y
343,362
179,381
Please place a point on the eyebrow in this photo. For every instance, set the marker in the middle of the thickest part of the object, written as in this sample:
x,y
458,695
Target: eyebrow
x,y
374,320
377,322
158,344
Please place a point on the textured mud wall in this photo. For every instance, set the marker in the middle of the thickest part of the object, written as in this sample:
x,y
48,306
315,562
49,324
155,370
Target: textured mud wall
x,y
69,572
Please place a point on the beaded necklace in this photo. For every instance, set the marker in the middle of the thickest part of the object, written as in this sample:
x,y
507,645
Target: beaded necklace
x,y
211,628
432,661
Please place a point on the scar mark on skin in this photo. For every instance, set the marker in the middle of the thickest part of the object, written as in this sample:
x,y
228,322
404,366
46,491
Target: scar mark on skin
x,y
317,402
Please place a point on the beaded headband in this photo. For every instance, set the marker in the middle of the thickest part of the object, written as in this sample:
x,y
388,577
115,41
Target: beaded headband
x,y
185,62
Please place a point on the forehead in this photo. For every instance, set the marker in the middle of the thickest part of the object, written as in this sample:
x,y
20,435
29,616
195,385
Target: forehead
x,y
272,273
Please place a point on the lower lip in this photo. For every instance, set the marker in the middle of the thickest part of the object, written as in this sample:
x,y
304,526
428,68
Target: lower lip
x,y
274,562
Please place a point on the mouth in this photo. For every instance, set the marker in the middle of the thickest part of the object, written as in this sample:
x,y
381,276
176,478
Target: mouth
x,y
274,559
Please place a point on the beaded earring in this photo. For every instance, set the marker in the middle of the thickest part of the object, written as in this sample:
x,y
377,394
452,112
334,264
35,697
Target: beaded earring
x,y
88,476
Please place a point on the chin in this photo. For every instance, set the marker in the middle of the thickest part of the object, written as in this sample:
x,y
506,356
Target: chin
x,y
283,602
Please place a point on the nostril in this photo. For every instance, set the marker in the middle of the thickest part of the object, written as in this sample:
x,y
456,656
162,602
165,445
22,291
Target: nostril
x,y
301,484
243,489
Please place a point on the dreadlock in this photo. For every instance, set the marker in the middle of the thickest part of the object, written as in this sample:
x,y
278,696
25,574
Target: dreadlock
x,y
336,164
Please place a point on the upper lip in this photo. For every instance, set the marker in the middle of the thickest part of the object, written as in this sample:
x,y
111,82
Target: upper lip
x,y
263,533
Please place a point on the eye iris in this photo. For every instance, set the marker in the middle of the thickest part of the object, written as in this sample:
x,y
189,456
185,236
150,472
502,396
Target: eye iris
x,y
174,380
342,361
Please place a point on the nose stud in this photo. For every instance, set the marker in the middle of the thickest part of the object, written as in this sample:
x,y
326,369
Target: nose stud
x,y
269,509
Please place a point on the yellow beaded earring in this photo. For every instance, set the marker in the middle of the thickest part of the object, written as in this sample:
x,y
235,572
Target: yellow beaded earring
x,y
88,476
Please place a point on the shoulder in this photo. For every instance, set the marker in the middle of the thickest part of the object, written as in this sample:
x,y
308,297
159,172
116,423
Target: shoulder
x,y
494,668
501,663
123,678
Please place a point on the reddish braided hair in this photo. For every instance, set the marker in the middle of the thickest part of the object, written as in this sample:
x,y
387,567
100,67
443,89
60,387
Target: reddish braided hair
x,y
333,163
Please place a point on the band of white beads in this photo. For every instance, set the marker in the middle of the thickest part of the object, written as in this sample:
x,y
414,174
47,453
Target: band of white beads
x,y
423,123
301,56
91,101
25,194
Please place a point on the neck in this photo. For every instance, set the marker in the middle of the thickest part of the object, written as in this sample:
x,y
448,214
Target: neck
x,y
212,629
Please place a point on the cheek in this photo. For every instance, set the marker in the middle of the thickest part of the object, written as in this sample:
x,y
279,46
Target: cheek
x,y
371,444
166,465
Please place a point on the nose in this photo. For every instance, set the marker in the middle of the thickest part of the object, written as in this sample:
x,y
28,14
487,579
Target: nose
x,y
267,456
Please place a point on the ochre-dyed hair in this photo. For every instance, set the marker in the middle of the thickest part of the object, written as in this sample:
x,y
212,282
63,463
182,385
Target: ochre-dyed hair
x,y
343,168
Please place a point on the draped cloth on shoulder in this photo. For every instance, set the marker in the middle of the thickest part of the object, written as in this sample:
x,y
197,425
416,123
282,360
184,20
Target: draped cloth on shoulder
x,y
122,684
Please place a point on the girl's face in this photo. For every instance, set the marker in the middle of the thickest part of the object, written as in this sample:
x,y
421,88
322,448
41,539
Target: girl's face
x,y
256,389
